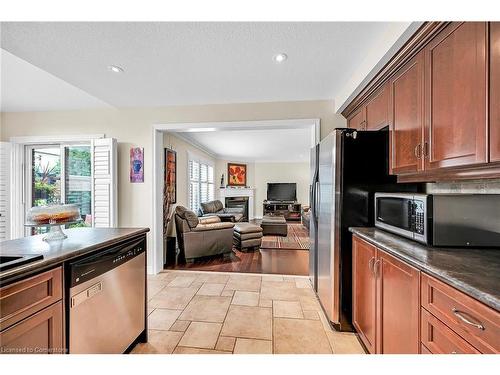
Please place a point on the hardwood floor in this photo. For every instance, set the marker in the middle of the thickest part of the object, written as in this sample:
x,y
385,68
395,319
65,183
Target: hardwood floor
x,y
285,262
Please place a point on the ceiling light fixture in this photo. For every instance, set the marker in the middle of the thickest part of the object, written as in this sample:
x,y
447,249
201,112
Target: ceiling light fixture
x,y
280,57
115,69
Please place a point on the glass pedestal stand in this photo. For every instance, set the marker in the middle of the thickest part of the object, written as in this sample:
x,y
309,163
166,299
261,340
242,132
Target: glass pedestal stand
x,y
55,230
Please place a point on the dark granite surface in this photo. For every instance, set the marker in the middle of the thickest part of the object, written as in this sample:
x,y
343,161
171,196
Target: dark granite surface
x,y
476,272
80,241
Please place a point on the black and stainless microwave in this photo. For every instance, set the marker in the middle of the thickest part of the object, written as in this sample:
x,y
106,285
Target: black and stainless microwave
x,y
460,220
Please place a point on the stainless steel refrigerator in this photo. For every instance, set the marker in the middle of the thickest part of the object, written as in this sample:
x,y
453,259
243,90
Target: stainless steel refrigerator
x,y
347,168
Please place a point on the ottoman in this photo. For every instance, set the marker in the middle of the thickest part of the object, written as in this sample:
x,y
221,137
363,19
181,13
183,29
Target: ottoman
x,y
274,225
247,236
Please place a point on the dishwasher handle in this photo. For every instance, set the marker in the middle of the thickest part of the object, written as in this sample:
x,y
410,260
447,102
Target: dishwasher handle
x,y
95,265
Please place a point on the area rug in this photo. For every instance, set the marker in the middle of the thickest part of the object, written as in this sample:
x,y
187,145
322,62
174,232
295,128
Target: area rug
x,y
297,239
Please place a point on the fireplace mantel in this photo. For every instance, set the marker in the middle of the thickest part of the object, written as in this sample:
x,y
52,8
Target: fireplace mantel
x,y
239,192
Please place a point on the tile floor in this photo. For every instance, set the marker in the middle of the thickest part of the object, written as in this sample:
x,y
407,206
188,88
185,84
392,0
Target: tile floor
x,y
207,312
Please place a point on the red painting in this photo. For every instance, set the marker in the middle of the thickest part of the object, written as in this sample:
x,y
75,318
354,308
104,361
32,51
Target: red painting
x,y
236,174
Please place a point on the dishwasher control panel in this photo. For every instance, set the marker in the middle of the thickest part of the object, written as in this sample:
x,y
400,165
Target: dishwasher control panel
x,y
94,265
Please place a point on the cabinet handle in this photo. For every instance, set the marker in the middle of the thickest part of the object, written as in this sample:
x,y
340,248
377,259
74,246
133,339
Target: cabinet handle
x,y
418,151
376,267
426,149
370,265
461,315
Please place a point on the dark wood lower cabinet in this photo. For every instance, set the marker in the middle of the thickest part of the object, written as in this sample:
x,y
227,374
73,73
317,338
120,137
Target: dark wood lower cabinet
x,y
385,301
364,292
398,288
40,333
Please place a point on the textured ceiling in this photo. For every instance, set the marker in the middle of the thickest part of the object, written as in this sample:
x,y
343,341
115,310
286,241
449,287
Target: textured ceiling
x,y
202,63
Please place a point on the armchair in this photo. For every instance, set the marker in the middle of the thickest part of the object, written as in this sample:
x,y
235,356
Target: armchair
x,y
215,208
205,236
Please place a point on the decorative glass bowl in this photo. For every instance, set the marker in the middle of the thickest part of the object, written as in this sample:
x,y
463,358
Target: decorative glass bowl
x,y
53,217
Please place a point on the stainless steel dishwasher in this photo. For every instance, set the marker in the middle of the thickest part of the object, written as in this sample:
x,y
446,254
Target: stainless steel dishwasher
x,y
107,298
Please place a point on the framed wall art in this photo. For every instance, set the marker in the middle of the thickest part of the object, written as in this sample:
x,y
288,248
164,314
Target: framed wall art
x,y
236,174
170,173
136,164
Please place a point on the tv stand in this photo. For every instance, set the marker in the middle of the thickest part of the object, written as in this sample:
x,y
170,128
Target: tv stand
x,y
289,209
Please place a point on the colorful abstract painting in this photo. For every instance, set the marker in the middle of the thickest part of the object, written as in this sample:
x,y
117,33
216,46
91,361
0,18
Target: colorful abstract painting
x,y
136,164
236,174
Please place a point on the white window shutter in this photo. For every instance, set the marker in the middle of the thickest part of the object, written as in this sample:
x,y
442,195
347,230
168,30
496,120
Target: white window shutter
x,y
104,183
4,191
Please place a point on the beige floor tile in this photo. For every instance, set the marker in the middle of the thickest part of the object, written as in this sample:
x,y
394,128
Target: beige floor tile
x,y
209,277
245,298
282,291
173,298
252,346
201,335
182,281
227,293
302,283
162,319
310,303
272,278
180,325
225,343
154,287
311,314
344,343
295,336
244,283
210,289
248,322
206,309
287,309
159,342
150,310
186,350
265,302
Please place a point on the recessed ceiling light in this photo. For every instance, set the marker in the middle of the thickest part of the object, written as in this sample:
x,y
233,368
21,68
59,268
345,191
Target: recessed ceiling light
x,y
115,69
280,57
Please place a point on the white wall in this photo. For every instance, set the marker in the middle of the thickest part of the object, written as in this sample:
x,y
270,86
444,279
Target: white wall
x,y
281,172
183,148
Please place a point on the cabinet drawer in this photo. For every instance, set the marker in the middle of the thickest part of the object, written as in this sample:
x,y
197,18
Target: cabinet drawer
x,y
469,318
41,333
25,297
439,339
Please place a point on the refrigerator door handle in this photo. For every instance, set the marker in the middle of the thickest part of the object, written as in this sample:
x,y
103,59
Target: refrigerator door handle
x,y
316,200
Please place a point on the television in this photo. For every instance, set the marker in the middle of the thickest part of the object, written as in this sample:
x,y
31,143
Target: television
x,y
281,191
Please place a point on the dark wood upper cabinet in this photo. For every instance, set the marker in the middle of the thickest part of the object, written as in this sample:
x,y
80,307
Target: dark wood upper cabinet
x,y
406,105
357,120
456,92
398,288
495,91
377,110
364,292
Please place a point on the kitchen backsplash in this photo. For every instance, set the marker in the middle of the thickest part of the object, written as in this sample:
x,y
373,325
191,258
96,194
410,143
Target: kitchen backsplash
x,y
467,187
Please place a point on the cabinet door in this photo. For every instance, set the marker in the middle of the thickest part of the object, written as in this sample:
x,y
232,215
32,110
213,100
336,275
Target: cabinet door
x,y
456,91
398,286
363,292
406,89
40,333
358,120
494,91
377,110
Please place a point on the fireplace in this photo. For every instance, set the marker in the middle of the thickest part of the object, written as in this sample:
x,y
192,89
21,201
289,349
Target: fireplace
x,y
238,202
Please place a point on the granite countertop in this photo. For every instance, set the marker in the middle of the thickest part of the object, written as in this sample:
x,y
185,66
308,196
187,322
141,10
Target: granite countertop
x,y
80,241
475,272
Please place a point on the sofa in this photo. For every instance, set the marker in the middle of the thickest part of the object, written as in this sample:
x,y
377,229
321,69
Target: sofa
x,y
216,208
305,216
201,236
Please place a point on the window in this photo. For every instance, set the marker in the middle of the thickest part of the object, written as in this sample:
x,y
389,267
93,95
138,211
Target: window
x,y
61,174
201,183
